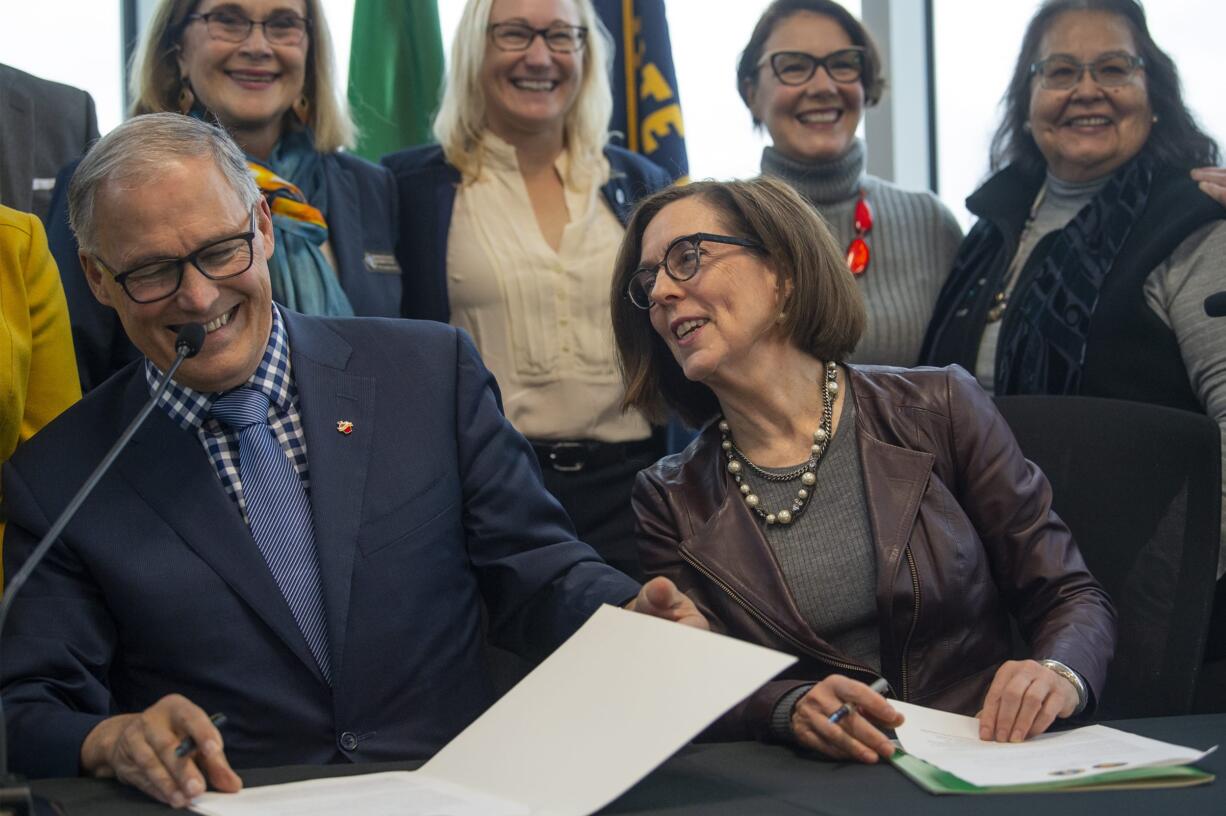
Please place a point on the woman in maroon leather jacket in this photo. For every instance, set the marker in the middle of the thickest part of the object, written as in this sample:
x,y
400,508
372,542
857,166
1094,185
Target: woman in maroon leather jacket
x,y
874,522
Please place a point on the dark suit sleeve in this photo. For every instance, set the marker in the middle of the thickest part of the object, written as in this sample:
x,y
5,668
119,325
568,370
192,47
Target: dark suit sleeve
x,y
1062,611
91,123
98,337
538,582
57,646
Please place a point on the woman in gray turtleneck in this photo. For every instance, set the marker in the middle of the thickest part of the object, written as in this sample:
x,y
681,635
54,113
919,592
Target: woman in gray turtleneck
x,y
807,74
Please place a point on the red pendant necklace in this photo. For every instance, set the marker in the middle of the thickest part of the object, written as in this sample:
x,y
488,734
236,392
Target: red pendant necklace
x,y
857,251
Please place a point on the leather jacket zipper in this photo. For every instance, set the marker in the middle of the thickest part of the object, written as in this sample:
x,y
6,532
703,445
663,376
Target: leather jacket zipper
x,y
769,624
915,586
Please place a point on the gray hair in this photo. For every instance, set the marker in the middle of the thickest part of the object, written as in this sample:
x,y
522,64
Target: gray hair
x,y
138,149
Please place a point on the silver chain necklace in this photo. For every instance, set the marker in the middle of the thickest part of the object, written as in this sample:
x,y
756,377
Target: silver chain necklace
x,y
738,461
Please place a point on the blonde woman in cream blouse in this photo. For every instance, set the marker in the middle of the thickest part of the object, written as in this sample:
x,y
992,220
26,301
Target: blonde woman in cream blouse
x,y
509,229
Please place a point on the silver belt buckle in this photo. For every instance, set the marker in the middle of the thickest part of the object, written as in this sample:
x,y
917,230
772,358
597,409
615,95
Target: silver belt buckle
x,y
563,463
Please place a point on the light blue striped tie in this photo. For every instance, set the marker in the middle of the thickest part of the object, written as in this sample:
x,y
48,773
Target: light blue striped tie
x,y
279,514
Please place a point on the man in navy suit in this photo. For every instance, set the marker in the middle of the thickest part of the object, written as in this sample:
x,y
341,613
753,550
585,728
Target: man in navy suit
x,y
164,600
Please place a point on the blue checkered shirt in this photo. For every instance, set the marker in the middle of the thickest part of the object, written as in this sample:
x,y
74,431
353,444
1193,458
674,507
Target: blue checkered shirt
x,y
190,410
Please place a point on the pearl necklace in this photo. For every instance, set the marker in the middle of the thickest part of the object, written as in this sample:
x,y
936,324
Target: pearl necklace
x,y
807,473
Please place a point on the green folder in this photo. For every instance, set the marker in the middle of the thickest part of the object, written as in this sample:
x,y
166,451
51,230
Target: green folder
x,y
934,780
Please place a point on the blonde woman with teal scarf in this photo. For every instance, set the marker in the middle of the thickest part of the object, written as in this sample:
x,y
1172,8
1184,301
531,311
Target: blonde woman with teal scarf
x,y
264,70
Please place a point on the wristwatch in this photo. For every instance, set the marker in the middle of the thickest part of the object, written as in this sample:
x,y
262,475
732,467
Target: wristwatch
x,y
1074,678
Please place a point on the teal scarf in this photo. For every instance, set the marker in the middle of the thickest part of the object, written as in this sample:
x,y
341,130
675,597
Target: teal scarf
x,y
302,277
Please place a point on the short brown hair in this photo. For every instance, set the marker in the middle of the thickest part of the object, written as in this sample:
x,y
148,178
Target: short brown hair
x,y
873,77
824,314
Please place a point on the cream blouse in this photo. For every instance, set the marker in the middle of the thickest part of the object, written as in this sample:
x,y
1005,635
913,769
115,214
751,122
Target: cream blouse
x,y
540,317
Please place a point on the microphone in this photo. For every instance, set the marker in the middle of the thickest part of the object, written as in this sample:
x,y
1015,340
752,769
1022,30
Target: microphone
x,y
1215,305
188,342
14,793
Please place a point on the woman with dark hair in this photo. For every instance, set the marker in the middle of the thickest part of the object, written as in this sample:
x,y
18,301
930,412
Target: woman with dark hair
x,y
807,74
874,522
1094,251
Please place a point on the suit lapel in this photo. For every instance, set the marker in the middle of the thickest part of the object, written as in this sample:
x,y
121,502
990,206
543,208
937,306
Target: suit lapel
x,y
170,470
327,395
732,548
894,483
17,144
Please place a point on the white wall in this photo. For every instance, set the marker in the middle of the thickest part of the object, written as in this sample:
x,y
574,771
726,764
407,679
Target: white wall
x,y
77,42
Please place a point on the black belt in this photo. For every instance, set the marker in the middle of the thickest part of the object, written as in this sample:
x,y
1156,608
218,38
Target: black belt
x,y
572,456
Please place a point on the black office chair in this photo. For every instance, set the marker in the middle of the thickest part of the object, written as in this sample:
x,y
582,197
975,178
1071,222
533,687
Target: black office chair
x,y
1140,487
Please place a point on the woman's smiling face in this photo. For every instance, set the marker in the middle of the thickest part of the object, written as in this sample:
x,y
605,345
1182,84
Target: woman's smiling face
x,y
713,322
1088,131
530,91
248,85
815,121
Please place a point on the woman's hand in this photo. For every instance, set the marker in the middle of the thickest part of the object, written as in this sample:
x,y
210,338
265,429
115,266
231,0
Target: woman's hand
x,y
1024,700
1212,182
856,736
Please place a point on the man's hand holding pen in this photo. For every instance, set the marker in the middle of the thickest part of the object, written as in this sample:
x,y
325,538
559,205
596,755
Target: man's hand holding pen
x,y
145,750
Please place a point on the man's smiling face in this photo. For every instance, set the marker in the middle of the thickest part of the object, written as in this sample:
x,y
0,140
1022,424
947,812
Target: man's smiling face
x,y
187,205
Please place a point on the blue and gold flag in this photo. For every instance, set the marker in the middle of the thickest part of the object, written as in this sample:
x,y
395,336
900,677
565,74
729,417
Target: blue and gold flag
x,y
646,107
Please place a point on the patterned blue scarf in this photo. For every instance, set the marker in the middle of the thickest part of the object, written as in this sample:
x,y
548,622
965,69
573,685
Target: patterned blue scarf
x,y
302,277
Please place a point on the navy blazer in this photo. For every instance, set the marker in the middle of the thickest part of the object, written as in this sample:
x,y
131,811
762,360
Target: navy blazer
x,y
430,508
427,185
361,214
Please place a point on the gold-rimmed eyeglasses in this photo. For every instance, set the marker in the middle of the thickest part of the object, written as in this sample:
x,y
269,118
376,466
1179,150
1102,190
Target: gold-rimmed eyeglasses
x,y
282,28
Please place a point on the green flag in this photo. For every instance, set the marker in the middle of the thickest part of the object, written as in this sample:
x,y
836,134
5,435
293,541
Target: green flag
x,y
395,72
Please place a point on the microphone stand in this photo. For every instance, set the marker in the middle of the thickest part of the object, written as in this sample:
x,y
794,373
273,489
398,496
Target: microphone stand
x,y
15,799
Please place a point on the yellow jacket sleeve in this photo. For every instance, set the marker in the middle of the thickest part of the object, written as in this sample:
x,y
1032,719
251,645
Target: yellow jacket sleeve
x,y
38,370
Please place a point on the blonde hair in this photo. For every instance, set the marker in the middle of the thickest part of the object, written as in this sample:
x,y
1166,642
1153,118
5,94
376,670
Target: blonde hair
x,y
155,82
461,120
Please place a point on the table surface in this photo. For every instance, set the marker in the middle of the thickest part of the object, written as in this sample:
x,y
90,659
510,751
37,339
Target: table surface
x,y
723,779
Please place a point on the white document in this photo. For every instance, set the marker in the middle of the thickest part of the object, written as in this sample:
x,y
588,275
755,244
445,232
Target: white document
x,y
951,742
622,695
399,793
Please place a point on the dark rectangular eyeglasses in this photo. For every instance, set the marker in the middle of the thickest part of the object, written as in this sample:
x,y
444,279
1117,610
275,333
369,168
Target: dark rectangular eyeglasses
x,y
560,39
797,67
158,280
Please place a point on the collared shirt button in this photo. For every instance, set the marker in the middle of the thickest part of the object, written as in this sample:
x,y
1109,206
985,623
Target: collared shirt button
x,y
348,741
620,195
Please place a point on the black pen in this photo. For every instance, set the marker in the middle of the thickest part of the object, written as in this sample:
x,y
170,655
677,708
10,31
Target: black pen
x,y
879,685
188,744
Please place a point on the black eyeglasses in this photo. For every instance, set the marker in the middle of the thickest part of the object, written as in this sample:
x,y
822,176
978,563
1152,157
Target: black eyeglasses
x,y
682,261
158,280
1060,73
232,27
797,67
560,39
